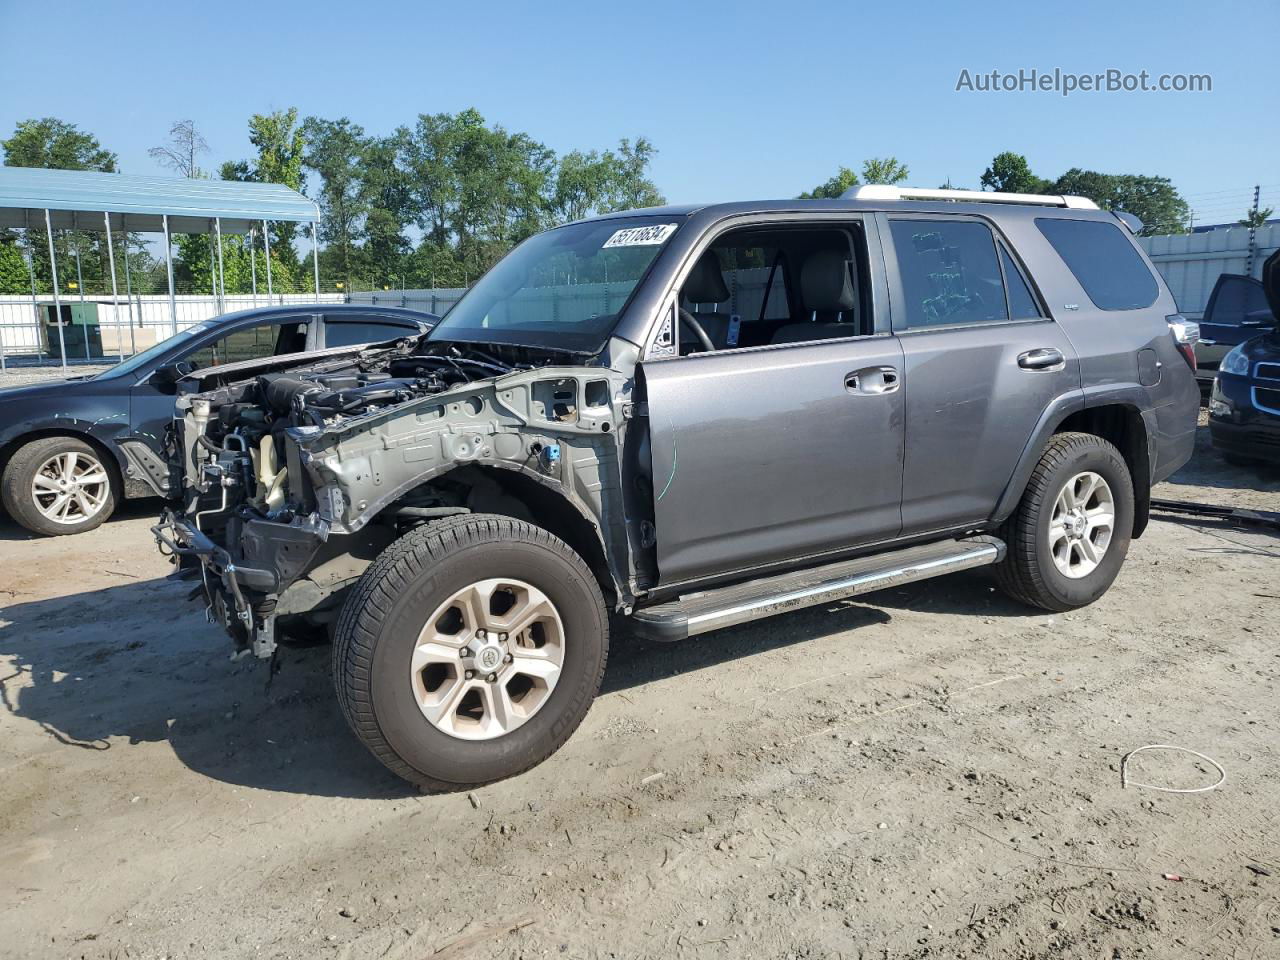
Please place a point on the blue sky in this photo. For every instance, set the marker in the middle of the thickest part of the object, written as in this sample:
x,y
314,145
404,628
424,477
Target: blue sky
x,y
743,100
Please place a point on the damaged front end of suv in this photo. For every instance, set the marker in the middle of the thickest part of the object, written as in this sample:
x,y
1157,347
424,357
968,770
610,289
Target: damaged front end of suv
x,y
296,478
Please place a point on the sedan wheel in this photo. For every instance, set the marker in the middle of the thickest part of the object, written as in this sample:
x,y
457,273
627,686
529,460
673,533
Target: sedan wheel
x,y
70,488
57,486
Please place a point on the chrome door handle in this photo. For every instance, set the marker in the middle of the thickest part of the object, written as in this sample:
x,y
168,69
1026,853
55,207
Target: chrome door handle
x,y
1043,358
873,380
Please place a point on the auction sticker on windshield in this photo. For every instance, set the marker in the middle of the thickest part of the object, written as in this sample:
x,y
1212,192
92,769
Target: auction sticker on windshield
x,y
641,236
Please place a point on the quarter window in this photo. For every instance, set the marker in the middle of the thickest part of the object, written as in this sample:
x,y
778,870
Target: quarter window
x,y
950,273
1104,261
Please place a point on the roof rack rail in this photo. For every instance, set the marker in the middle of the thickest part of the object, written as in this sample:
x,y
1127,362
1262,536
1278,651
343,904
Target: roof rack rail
x,y
884,191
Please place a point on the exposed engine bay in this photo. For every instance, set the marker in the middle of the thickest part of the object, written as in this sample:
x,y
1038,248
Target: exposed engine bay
x,y
295,477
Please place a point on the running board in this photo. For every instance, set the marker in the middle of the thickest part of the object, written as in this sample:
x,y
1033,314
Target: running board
x,y
707,610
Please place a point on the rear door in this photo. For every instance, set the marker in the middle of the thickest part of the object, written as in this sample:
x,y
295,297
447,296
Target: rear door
x,y
982,362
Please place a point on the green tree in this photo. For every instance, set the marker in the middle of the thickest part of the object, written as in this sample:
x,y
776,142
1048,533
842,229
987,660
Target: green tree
x,y
844,180
335,150
1153,200
629,186
884,170
386,195
56,145
1010,173
280,145
1257,218
14,278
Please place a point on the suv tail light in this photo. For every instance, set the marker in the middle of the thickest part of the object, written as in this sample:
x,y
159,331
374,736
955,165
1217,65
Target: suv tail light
x,y
1186,334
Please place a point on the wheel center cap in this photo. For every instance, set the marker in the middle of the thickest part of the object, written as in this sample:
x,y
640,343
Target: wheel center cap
x,y
1076,525
489,657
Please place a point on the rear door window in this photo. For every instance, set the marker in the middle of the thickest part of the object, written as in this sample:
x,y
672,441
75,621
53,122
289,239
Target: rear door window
x,y
950,273
1108,267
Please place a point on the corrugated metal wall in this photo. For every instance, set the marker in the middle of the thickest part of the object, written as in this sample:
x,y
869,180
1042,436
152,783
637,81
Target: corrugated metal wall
x,y
1192,262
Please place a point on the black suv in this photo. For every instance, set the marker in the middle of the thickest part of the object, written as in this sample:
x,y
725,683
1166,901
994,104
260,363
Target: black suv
x,y
691,417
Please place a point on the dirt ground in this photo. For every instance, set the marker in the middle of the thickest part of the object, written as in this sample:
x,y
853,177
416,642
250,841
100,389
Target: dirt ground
x,y
931,771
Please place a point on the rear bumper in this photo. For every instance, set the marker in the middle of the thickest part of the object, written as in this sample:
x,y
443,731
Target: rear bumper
x,y
1260,441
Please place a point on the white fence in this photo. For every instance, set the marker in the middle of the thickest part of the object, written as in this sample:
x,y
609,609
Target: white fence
x,y
128,328
1192,262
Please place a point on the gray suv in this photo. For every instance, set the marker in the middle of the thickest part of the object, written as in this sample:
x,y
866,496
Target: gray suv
x,y
686,418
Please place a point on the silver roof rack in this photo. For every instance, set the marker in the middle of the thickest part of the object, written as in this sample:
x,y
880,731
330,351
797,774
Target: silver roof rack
x,y
882,191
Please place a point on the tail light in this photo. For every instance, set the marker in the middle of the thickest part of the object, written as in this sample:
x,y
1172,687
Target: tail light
x,y
1186,334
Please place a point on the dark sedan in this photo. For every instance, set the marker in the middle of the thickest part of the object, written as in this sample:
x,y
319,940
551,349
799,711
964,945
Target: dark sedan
x,y
70,450
1244,407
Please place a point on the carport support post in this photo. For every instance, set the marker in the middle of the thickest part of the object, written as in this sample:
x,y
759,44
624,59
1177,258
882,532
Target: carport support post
x,y
222,277
128,284
253,266
315,252
115,294
35,306
168,262
57,300
266,243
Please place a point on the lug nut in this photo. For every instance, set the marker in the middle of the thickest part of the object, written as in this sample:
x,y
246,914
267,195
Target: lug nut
x,y
491,677
470,674
464,652
502,637
481,634
508,658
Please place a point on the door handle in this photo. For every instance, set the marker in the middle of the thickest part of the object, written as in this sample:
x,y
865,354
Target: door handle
x,y
1043,358
873,380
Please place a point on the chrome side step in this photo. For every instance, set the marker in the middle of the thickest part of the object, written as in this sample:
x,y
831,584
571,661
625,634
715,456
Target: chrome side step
x,y
708,610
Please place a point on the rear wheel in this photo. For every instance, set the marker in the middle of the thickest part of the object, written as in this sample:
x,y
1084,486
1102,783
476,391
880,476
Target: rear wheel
x,y
57,486
470,650
1070,533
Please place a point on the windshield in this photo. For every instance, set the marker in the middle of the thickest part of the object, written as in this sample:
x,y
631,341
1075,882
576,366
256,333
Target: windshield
x,y
563,288
139,362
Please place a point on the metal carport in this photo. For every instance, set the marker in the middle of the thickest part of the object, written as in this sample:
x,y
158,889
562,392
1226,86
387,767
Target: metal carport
x,y
111,202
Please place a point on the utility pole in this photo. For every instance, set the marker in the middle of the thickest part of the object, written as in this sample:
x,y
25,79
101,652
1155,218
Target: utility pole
x,y
1253,230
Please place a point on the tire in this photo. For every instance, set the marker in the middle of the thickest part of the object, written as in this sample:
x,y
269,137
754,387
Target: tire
x,y
71,502
1033,568
406,589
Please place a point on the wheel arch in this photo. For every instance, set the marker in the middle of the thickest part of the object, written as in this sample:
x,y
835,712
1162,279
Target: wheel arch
x,y
109,456
507,491
1119,420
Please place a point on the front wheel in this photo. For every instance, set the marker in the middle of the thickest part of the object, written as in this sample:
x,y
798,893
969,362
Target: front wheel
x,y
1070,533
470,650
57,486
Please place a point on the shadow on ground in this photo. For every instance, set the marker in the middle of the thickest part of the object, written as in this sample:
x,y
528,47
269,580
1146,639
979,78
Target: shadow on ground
x,y
137,663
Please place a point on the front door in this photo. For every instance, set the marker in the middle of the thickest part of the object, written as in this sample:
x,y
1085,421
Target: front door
x,y
773,454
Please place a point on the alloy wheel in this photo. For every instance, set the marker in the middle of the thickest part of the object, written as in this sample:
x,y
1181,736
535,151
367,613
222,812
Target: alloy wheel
x,y
487,659
1080,529
70,487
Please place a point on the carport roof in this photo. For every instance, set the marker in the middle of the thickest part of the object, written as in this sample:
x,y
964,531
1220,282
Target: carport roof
x,y
76,199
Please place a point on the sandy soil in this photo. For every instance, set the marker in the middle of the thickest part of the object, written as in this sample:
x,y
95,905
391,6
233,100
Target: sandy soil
x,y
927,772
